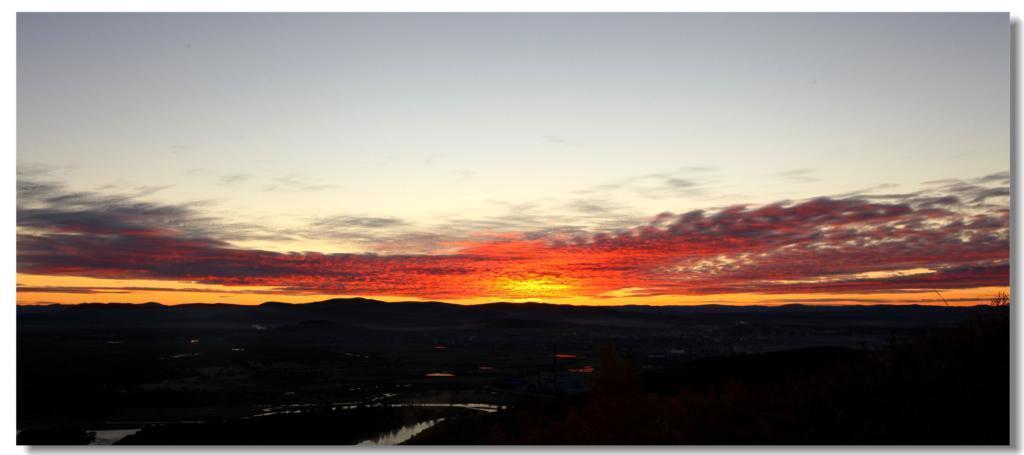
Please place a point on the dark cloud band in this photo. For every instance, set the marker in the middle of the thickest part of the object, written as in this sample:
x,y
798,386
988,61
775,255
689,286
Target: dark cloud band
x,y
952,236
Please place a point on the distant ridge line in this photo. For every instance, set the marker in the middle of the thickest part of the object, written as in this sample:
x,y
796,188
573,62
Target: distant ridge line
x,y
369,301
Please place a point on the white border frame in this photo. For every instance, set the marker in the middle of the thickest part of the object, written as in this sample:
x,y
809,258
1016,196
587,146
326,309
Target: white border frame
x,y
8,163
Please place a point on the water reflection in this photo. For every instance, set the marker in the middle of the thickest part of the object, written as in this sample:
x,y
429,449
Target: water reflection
x,y
108,437
299,408
477,406
402,434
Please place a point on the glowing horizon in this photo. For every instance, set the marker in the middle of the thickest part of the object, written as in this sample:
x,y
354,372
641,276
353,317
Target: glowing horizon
x,y
822,250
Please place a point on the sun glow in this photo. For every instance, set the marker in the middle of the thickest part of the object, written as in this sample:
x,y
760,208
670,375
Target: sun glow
x,y
534,287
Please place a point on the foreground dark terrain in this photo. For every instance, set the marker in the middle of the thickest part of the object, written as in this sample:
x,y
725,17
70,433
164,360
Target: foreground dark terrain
x,y
353,371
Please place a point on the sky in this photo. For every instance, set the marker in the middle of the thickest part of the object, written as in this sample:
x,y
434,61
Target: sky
x,y
569,158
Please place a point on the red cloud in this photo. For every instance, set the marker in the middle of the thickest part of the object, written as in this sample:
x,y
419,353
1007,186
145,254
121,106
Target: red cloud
x,y
821,245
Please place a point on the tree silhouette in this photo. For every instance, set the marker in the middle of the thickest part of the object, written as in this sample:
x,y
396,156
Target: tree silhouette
x,y
1001,299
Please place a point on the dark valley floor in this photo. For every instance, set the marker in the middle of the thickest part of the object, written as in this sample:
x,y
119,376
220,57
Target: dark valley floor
x,y
361,371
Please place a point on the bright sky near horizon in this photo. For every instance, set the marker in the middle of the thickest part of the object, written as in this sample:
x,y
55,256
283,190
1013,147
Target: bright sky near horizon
x,y
576,158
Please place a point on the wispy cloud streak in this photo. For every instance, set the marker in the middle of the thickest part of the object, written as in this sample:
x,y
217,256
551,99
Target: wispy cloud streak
x,y
952,235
